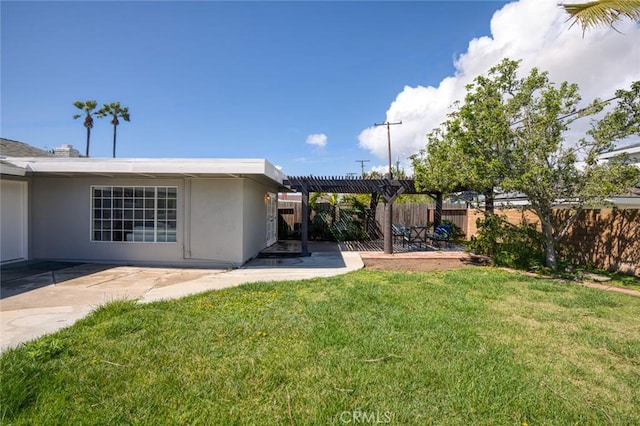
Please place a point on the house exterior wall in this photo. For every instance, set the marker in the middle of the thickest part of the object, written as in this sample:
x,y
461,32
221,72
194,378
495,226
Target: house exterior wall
x,y
220,222
60,223
14,235
254,235
215,227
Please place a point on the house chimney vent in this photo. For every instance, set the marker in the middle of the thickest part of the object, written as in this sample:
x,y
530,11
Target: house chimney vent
x,y
66,151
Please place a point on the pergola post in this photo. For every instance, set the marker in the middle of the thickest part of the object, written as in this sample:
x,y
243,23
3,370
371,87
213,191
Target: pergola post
x,y
437,214
388,231
304,226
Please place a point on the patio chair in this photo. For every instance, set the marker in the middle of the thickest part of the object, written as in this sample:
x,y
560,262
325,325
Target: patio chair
x,y
441,234
416,235
399,231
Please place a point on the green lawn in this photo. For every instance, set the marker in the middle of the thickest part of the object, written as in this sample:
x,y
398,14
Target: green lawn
x,y
473,346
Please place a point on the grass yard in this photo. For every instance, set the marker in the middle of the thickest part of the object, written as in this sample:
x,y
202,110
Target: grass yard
x,y
471,346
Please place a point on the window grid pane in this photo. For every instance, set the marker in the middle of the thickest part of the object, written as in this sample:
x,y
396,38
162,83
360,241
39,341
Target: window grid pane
x,y
134,214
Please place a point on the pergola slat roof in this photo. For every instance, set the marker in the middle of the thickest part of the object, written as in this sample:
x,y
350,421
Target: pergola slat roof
x,y
349,185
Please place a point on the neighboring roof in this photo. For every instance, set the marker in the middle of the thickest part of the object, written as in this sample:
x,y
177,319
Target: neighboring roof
x,y
10,148
631,150
149,167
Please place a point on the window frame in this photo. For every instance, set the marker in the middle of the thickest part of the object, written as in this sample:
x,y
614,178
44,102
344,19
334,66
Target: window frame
x,y
134,208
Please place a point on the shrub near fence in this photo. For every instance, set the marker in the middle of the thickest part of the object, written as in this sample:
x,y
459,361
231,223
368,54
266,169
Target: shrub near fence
x,y
603,238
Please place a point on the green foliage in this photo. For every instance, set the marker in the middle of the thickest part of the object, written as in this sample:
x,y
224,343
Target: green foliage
x,y
602,13
45,349
472,147
456,232
509,133
508,245
338,219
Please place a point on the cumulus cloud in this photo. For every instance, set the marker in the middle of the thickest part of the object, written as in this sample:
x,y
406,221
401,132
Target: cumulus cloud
x,y
535,31
317,139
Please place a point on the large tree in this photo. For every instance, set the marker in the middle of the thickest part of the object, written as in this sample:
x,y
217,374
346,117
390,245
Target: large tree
x,y
602,12
88,108
552,171
115,111
471,149
514,137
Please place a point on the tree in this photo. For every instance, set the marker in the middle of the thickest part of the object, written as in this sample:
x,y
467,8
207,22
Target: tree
x,y
115,111
87,107
602,12
509,134
472,148
551,171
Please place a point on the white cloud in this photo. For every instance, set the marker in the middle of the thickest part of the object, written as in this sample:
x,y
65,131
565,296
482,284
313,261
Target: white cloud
x,y
535,31
317,139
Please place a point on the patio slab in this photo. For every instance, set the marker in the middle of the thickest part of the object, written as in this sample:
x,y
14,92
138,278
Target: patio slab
x,y
42,303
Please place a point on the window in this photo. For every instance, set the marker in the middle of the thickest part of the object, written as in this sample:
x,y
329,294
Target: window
x,y
134,213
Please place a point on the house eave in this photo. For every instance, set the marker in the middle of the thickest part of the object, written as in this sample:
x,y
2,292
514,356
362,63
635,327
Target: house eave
x,y
257,169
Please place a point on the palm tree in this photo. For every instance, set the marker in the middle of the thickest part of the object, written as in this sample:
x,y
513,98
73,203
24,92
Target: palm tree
x,y
601,13
87,107
115,111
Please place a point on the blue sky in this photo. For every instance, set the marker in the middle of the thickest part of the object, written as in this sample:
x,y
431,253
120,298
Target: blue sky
x,y
225,79
259,79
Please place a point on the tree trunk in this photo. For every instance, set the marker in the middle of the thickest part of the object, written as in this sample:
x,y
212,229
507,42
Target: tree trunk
x,y
549,241
86,154
114,141
488,202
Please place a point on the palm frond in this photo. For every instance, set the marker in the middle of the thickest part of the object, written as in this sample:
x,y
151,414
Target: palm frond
x,y
602,13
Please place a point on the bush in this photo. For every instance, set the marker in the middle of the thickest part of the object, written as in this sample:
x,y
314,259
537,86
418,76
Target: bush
x,y
515,246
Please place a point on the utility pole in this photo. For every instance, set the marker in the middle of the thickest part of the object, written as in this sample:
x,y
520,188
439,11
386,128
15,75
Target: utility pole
x,y
388,212
362,164
388,124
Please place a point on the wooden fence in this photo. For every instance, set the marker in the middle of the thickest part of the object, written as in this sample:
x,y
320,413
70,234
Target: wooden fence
x,y
414,214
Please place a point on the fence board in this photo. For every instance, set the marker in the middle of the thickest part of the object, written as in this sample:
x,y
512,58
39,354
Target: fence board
x,y
415,214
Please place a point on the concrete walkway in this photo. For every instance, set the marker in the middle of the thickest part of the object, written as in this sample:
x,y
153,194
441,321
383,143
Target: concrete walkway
x,y
36,305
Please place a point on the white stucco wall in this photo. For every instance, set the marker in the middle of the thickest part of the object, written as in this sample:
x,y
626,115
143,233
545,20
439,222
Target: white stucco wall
x,y
13,219
255,224
60,223
220,222
215,220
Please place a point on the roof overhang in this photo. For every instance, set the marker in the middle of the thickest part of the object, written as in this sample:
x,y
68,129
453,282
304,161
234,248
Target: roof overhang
x,y
10,169
256,169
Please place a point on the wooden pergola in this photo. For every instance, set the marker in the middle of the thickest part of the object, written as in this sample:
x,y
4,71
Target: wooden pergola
x,y
388,189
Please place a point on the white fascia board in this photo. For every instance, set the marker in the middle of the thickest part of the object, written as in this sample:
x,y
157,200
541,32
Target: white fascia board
x,y
11,170
152,166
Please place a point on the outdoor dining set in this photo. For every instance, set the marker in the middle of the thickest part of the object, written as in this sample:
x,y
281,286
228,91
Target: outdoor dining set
x,y
418,237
